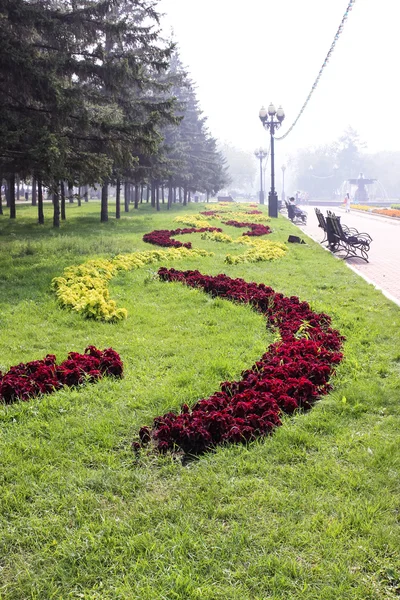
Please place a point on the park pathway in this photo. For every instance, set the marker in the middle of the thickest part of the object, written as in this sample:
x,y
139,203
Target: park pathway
x,y
383,268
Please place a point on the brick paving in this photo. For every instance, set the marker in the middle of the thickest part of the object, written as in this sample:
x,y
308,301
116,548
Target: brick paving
x,y
383,268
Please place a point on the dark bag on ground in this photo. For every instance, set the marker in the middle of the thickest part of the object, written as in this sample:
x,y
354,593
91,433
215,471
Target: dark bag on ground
x,y
294,239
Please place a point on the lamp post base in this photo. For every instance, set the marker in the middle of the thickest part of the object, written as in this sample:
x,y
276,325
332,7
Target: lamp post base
x,y
273,205
261,197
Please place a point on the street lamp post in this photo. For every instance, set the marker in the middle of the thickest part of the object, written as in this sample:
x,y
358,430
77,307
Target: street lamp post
x,y
261,154
269,122
283,182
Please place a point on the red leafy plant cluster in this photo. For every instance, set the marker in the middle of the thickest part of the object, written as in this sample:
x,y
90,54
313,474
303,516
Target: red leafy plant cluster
x,y
291,375
210,213
255,228
163,237
27,380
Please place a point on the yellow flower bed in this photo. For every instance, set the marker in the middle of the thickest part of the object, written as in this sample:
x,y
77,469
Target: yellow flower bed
x,y
242,216
217,236
260,250
192,221
84,288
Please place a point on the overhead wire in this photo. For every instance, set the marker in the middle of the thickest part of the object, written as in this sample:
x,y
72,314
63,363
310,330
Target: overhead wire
x,y
328,56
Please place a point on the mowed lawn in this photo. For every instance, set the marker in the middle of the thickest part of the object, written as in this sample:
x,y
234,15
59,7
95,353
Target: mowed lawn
x,y
310,513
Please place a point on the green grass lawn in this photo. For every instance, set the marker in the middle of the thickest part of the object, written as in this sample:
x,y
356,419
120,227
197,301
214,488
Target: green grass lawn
x,y
310,513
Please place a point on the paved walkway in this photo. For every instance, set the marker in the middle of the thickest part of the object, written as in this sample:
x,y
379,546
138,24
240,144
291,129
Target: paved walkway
x,y
383,268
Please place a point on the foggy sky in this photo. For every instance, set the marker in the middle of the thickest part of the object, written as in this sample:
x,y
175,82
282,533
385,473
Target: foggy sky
x,y
243,55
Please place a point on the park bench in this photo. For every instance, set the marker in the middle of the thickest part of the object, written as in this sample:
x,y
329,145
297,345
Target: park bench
x,y
322,224
345,240
295,214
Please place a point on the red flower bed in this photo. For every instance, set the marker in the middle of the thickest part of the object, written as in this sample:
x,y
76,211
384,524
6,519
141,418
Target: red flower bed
x,y
163,237
292,374
27,380
255,228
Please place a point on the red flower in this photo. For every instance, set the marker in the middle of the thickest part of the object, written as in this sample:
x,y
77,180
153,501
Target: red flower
x,y
163,237
292,374
25,381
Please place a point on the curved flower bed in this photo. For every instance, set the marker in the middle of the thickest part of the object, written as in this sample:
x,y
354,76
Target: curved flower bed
x,y
192,221
163,237
256,229
210,213
84,288
259,251
27,380
256,215
292,374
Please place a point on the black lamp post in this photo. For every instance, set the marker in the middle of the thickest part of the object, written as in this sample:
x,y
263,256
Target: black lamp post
x,y
268,120
261,154
283,167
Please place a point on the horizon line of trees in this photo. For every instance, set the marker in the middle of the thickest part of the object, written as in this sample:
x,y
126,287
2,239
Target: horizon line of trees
x,y
92,95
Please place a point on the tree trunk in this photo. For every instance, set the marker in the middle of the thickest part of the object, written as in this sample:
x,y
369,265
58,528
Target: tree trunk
x,y
11,191
63,215
170,195
40,203
127,196
86,193
157,191
136,196
34,194
162,194
147,193
70,192
118,200
56,208
7,192
184,196
104,203
180,195
189,197
141,193
18,190
1,199
79,196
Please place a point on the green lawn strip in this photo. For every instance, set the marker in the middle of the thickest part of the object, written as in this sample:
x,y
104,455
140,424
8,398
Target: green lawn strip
x,y
311,512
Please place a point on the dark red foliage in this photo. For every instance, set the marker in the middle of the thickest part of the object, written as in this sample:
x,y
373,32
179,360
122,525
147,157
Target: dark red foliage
x,y
163,237
291,375
255,228
25,381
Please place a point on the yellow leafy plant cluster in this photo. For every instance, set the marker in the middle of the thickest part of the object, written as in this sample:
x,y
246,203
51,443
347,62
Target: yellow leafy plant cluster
x,y
259,250
234,216
217,236
84,288
192,221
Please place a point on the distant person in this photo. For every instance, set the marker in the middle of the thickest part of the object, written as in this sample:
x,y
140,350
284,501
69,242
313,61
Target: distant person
x,y
347,202
297,212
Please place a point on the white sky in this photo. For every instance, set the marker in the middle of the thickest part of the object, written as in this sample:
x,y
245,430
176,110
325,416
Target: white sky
x,y
245,54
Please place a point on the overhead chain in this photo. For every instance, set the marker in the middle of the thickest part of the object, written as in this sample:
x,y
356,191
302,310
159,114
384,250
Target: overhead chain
x,y
328,56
